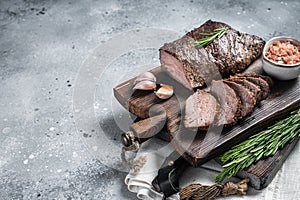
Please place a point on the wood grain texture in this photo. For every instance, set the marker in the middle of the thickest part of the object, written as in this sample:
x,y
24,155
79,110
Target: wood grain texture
x,y
148,128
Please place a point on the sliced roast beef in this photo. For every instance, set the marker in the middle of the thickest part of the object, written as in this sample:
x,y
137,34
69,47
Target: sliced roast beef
x,y
264,82
249,85
247,97
200,110
266,78
264,86
235,98
230,103
193,67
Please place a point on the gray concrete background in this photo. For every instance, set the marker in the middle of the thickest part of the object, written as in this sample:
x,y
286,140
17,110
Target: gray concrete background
x,y
43,44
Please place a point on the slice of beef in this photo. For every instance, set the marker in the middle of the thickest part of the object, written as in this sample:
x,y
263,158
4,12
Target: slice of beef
x,y
247,97
186,64
200,110
264,82
266,78
230,103
264,86
249,85
193,67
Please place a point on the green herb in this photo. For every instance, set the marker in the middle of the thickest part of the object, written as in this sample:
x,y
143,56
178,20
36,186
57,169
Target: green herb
x,y
217,33
261,145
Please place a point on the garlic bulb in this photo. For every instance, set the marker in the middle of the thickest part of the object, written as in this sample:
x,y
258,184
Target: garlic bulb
x,y
164,92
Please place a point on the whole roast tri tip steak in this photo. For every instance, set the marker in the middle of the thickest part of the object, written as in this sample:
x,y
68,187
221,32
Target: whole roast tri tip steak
x,y
194,67
228,101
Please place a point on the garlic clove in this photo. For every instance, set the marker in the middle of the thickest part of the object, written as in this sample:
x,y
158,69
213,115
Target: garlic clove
x,y
164,92
145,85
146,76
145,81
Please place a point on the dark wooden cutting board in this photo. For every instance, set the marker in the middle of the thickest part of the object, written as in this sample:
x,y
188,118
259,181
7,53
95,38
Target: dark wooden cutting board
x,y
198,148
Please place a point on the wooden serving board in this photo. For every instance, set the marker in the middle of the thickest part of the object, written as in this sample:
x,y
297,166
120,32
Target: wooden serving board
x,y
198,148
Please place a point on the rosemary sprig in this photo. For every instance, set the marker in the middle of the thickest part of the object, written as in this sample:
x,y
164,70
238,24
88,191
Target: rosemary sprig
x,y
217,33
261,145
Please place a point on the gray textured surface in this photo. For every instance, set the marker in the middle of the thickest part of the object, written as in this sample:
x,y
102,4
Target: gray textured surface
x,y
43,155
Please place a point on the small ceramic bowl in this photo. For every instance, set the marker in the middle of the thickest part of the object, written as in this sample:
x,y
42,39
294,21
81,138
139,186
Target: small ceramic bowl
x,y
277,70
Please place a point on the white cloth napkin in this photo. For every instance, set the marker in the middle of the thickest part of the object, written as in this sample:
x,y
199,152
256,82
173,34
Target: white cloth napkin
x,y
155,151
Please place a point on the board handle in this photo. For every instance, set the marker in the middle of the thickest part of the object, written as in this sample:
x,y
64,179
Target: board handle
x,y
142,130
